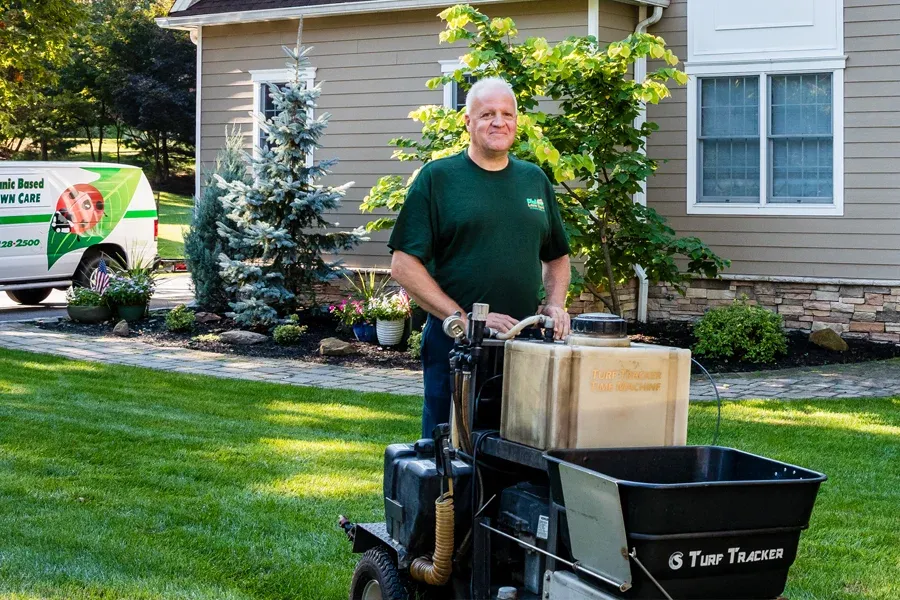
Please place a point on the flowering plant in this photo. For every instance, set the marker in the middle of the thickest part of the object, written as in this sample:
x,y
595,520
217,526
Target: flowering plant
x,y
130,290
349,312
81,296
390,308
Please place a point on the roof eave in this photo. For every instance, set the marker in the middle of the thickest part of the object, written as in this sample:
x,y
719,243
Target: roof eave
x,y
173,21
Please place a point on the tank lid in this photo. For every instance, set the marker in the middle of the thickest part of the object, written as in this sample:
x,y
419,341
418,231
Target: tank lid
x,y
604,324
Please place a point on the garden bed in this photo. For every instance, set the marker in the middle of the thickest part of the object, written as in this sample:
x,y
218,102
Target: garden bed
x,y
801,352
153,331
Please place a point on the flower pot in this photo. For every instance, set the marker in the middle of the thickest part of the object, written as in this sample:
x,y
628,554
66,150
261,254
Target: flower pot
x,y
390,332
131,313
89,314
365,332
359,331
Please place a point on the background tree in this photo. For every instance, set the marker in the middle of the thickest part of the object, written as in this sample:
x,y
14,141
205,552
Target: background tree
x,y
34,43
203,245
276,246
590,146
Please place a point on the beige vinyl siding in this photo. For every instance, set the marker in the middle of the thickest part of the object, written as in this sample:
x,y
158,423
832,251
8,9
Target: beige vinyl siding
x,y
373,70
865,242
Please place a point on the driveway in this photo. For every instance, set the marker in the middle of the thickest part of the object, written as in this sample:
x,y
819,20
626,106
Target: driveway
x,y
171,289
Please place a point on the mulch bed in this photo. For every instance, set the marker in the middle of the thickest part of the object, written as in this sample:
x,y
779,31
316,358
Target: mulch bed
x,y
153,331
801,353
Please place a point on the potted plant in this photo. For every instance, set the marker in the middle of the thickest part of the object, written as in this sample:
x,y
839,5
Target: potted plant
x,y
390,313
130,294
87,306
352,313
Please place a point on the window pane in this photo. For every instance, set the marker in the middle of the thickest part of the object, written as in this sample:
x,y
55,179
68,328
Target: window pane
x,y
729,106
460,94
802,169
801,104
730,170
802,148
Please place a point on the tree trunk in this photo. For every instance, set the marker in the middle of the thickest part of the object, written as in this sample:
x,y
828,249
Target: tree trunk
x,y
19,145
156,158
165,149
44,153
90,140
610,278
102,125
118,141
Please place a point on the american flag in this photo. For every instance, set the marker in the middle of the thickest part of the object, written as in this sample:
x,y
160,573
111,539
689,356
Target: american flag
x,y
101,279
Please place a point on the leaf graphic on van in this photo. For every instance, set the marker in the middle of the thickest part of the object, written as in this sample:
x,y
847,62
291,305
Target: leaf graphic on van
x,y
86,214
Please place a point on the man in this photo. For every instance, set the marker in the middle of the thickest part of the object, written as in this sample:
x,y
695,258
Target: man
x,y
480,226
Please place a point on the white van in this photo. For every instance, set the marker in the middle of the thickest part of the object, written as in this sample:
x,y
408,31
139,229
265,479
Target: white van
x,y
58,219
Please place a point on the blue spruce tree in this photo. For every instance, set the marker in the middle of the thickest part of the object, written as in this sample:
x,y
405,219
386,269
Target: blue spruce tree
x,y
279,236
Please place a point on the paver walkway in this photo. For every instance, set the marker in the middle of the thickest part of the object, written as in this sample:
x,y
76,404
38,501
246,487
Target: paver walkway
x,y
880,378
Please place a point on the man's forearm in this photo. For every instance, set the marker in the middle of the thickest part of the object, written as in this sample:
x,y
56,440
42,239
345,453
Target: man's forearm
x,y
557,276
408,271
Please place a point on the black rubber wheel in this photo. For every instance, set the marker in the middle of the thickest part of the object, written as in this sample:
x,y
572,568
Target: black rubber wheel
x,y
88,266
29,297
376,578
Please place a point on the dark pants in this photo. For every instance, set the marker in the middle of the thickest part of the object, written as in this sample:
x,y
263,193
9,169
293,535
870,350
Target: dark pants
x,y
436,347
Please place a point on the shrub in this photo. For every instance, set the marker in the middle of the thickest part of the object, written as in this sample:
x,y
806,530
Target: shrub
x,y
202,244
740,332
415,345
180,318
288,335
79,296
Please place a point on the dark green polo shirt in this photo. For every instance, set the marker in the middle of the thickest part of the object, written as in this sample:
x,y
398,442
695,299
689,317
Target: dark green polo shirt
x,y
483,234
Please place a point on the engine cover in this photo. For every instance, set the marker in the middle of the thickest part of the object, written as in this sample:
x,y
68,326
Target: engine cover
x,y
411,486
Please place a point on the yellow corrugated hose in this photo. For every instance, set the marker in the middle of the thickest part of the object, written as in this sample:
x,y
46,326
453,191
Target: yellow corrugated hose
x,y
436,571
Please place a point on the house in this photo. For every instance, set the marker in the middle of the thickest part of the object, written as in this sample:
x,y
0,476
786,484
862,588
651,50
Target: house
x,y
782,152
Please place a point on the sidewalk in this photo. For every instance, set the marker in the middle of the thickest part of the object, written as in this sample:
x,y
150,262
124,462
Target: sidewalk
x,y
871,379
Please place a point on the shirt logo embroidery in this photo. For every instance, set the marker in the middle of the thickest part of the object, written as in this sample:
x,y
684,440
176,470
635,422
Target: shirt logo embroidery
x,y
535,203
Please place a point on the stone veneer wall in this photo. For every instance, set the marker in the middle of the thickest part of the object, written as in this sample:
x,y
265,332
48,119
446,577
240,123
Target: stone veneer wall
x,y
854,311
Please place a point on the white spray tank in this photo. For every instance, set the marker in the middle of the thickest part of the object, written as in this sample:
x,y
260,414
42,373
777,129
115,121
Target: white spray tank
x,y
595,390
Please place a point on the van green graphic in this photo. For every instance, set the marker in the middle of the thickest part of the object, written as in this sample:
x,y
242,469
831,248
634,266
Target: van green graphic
x,y
87,213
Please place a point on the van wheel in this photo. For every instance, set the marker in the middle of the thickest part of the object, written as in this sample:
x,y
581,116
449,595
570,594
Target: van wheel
x,y
88,267
376,578
29,297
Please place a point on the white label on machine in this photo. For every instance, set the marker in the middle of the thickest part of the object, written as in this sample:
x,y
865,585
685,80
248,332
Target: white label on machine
x,y
543,528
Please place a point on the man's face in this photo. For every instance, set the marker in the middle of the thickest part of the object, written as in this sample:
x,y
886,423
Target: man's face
x,y
492,122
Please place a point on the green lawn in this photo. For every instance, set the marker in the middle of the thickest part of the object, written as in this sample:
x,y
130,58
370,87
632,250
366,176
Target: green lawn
x,y
119,482
174,218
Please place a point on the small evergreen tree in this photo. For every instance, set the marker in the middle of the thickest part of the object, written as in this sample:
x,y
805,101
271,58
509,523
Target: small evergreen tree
x,y
278,235
202,244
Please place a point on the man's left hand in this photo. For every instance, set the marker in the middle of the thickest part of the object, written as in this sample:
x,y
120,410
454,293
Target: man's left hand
x,y
560,320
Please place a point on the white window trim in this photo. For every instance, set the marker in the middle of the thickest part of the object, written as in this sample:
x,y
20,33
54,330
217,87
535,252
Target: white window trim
x,y
447,67
835,66
263,76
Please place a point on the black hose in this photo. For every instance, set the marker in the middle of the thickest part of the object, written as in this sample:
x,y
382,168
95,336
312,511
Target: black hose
x,y
718,401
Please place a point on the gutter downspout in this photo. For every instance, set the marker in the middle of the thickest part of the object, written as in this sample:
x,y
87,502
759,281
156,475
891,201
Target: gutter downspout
x,y
640,73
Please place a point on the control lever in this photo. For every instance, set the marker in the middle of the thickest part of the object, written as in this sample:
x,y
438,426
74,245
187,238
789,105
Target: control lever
x,y
443,451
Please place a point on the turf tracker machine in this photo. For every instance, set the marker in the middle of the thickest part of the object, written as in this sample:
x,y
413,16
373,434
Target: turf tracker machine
x,y
564,475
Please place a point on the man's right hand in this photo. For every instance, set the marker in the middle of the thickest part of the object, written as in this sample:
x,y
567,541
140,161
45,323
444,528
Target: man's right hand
x,y
500,323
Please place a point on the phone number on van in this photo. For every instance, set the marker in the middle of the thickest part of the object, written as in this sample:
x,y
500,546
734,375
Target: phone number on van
x,y
18,243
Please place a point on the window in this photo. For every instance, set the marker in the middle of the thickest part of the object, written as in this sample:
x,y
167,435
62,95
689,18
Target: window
x,y
263,106
454,94
766,142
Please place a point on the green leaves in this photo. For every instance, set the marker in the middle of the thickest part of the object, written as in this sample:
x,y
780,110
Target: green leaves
x,y
589,145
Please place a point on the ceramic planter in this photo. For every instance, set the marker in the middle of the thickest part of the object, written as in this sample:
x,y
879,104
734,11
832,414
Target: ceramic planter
x,y
390,332
89,314
132,313
365,332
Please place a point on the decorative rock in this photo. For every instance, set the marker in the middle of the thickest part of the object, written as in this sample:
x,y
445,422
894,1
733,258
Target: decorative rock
x,y
121,329
828,339
335,347
242,338
206,317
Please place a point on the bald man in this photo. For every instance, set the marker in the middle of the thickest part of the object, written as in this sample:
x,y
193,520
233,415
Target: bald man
x,y
480,226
